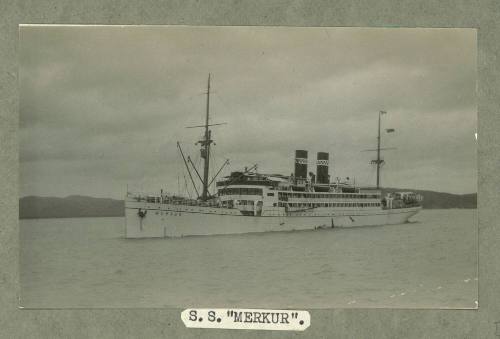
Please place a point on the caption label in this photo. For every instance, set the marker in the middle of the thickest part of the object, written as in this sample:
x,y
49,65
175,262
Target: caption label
x,y
247,319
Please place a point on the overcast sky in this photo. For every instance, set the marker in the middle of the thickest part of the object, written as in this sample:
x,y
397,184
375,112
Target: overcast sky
x,y
103,106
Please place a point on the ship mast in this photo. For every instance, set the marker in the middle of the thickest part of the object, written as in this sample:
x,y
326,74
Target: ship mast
x,y
205,151
205,144
378,149
379,162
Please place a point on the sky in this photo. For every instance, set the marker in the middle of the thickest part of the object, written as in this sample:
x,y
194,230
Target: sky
x,y
102,107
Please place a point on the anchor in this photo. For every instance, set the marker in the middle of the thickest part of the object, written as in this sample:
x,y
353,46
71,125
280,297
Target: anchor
x,y
141,214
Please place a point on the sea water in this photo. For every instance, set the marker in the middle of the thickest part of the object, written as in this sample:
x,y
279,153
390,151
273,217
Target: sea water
x,y
430,262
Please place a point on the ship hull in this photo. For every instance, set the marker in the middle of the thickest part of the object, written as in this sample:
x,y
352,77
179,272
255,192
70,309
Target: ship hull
x,y
164,221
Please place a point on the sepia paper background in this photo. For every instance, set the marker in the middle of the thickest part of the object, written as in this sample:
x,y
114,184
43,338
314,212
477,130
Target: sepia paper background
x,y
156,323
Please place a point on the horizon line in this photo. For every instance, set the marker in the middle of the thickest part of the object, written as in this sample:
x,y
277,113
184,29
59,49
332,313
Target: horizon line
x,y
107,197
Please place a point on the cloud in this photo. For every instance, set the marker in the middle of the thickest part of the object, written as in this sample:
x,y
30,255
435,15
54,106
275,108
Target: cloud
x,y
107,104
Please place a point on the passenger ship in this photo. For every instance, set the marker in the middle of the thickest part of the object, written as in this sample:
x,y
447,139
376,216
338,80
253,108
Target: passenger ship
x,y
248,201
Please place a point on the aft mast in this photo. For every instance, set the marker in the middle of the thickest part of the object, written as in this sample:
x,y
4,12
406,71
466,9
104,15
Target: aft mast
x,y
379,162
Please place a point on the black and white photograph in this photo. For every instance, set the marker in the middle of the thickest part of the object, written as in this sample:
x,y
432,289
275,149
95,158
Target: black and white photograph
x,y
247,166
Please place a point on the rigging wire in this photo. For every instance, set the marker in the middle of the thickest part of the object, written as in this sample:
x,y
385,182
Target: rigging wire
x,y
186,186
178,186
223,103
198,162
178,178
212,165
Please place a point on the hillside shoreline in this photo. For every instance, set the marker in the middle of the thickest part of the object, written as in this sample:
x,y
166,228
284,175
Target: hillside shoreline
x,y
77,206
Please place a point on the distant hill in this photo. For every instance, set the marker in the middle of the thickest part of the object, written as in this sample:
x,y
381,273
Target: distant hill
x,y
440,200
74,206
77,206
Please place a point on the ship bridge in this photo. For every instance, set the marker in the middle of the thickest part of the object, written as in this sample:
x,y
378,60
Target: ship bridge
x,y
249,192
243,178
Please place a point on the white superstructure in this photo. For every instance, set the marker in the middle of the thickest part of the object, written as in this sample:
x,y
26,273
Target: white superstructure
x,y
252,208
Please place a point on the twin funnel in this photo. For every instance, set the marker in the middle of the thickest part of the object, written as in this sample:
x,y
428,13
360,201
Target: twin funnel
x,y
322,164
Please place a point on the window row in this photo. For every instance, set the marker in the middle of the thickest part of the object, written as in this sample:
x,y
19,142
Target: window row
x,y
245,202
286,195
335,204
240,191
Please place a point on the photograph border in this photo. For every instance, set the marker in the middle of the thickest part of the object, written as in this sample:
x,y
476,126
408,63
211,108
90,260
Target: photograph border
x,y
334,323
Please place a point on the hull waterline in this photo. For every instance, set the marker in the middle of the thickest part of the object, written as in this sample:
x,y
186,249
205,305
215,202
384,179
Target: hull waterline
x,y
179,221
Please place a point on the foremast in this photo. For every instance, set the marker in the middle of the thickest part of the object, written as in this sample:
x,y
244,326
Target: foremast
x,y
205,143
205,146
